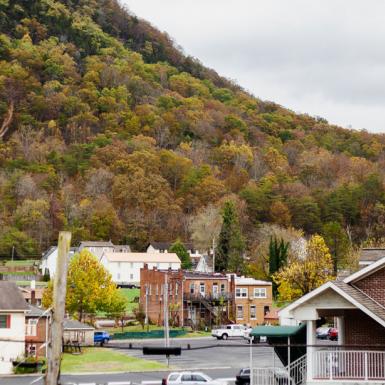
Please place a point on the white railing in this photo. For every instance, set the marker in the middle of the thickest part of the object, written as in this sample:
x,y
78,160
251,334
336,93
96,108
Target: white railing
x,y
347,365
274,376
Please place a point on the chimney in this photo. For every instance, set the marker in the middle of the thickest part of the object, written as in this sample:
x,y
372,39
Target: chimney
x,y
33,292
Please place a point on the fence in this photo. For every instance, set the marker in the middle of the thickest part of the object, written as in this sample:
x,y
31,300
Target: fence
x,y
150,334
346,365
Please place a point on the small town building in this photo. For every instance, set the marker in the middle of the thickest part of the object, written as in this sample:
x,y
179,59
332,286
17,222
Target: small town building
x,y
77,333
12,325
36,331
125,267
357,302
195,299
370,255
253,300
49,260
97,248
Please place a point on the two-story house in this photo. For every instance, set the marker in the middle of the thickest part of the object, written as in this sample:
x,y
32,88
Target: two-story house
x,y
193,298
253,300
12,325
125,267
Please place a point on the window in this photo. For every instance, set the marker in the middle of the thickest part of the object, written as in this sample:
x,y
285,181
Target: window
x,y
228,327
241,292
5,321
215,290
222,288
150,290
260,292
187,377
131,265
157,290
253,312
176,289
31,351
31,328
239,312
202,288
192,288
131,276
198,378
173,377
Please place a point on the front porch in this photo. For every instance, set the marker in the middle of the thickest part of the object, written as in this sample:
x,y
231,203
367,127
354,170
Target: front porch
x,y
359,355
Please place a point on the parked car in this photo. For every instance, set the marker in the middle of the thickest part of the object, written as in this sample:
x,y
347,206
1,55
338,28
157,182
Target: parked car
x,y
101,337
322,333
190,378
230,331
333,334
243,377
279,377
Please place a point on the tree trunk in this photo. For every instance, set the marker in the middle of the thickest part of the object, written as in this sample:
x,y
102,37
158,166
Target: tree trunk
x,y
7,120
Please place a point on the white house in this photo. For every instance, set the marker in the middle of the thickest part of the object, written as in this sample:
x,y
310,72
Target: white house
x,y
12,325
97,248
125,267
49,260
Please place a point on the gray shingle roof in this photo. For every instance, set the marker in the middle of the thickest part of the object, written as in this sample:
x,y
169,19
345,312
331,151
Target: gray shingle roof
x,y
11,297
71,324
372,254
96,244
362,298
35,311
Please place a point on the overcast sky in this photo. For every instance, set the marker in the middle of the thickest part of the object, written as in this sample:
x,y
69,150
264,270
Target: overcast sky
x,y
322,57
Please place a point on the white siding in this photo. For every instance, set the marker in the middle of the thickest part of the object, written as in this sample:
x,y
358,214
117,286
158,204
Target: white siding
x,y
14,347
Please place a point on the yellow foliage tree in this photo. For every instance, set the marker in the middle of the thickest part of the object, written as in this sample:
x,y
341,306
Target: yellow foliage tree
x,y
302,276
89,287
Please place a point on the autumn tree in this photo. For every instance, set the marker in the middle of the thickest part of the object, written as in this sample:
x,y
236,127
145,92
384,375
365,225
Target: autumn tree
x,y
300,277
89,288
231,245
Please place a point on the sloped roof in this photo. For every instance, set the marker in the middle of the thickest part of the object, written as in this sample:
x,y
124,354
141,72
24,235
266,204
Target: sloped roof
x,y
142,257
372,254
276,331
73,324
96,244
167,245
197,275
35,311
11,297
366,271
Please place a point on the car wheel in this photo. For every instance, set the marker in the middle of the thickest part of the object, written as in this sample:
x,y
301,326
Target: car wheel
x,y
105,341
225,336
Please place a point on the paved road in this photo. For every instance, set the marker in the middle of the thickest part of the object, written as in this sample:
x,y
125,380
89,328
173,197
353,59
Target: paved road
x,y
218,359
205,353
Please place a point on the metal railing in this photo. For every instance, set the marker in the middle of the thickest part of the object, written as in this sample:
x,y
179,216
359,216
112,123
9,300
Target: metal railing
x,y
349,364
296,375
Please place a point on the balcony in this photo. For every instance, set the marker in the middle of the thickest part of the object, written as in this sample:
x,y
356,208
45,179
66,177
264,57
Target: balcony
x,y
209,297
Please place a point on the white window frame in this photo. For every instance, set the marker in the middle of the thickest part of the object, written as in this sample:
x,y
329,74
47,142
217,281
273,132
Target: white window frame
x,y
260,292
238,312
255,312
241,292
202,284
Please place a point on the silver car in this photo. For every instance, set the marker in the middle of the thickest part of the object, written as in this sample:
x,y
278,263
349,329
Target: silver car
x,y
190,378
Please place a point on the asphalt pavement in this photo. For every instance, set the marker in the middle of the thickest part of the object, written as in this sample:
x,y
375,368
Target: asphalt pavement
x,y
218,359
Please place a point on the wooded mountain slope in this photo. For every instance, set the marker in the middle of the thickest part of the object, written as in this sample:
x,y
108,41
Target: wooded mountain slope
x,y
108,130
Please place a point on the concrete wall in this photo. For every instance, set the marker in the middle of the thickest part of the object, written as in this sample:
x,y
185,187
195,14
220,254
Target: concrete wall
x,y
14,347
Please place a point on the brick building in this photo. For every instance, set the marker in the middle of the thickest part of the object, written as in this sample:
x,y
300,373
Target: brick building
x,y
253,300
194,298
358,304
36,332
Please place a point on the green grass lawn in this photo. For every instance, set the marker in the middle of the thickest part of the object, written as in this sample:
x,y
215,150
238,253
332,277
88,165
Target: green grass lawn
x,y
130,295
105,360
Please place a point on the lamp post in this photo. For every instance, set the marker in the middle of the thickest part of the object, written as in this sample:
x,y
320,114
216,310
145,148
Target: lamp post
x,y
251,360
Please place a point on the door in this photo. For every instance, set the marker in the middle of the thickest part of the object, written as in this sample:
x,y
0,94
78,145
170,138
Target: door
x,y
215,290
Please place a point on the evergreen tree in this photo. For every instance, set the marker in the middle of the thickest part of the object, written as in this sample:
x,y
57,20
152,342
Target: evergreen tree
x,y
231,244
277,258
180,250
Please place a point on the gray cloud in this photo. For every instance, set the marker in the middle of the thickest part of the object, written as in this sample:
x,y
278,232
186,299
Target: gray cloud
x,y
323,57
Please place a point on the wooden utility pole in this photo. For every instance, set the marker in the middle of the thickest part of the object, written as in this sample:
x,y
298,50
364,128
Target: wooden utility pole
x,y
58,310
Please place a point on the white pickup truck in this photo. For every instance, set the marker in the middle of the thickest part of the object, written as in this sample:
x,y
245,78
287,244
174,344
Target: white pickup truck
x,y
229,331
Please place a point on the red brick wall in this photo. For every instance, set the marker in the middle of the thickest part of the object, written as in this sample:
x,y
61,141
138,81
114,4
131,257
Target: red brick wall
x,y
374,286
39,339
362,330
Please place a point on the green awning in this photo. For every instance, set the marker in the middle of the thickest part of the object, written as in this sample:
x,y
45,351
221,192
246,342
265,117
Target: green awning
x,y
276,331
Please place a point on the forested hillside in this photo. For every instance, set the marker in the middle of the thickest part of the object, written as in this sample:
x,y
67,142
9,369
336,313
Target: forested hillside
x,y
109,131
